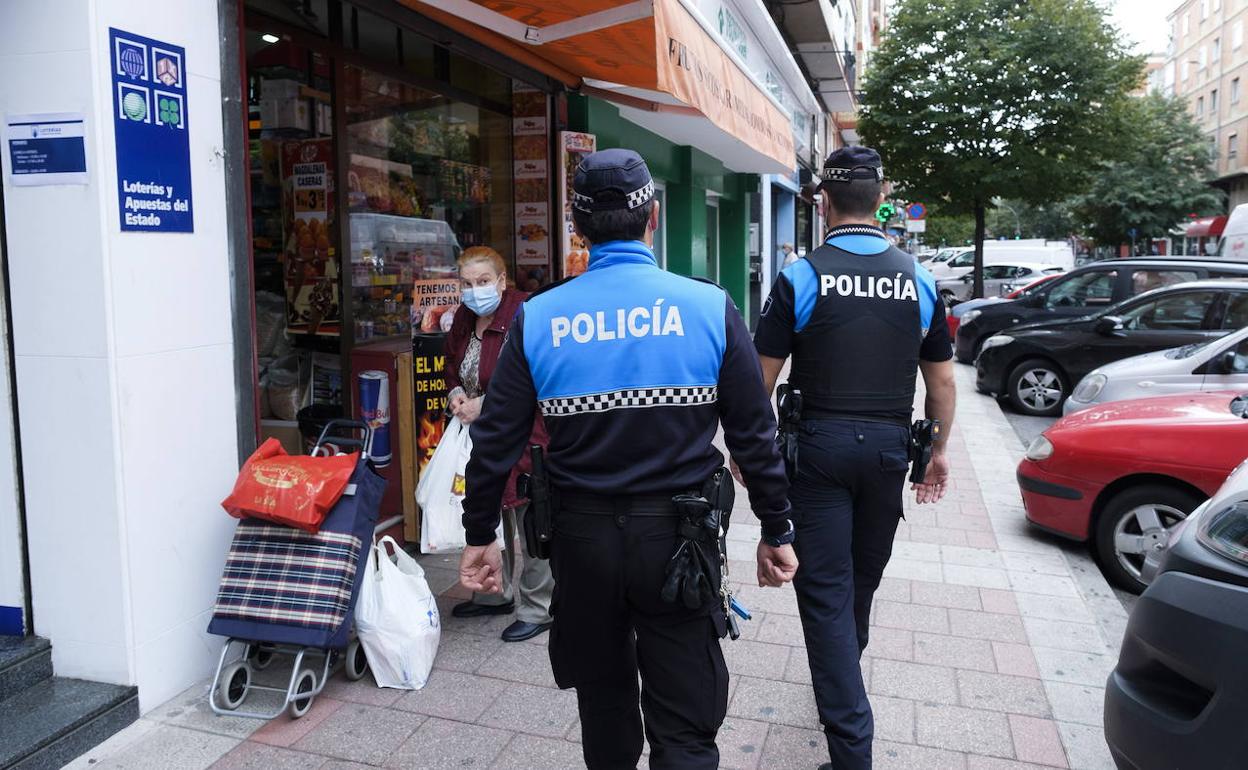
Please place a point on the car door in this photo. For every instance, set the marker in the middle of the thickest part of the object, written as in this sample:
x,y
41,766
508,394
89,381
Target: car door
x,y
996,276
1166,320
1214,376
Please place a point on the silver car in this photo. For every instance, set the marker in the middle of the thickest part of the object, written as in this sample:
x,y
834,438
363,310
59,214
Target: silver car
x,y
999,278
1221,364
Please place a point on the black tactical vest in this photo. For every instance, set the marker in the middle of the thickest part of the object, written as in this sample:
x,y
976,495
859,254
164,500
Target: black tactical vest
x,y
857,356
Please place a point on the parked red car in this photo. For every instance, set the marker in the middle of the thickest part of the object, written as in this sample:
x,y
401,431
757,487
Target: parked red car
x,y
1123,473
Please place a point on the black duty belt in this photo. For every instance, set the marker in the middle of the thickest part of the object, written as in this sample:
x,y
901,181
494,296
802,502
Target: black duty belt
x,y
592,504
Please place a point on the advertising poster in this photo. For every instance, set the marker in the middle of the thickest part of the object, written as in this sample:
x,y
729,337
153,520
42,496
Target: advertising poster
x,y
531,149
429,384
311,266
151,125
573,146
434,302
532,235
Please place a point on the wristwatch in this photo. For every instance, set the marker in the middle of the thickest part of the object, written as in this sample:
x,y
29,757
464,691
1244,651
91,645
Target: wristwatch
x,y
775,541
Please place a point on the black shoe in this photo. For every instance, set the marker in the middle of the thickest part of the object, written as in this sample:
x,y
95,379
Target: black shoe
x,y
474,610
521,630
826,766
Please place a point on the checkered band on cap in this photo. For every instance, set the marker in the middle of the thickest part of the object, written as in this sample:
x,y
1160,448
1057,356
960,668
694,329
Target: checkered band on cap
x,y
582,202
639,196
833,174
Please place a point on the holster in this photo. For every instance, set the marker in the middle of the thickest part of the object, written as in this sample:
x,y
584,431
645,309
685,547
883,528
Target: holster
x,y
923,435
789,410
695,570
539,520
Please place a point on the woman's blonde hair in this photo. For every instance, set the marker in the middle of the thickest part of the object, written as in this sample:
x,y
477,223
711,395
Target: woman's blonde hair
x,y
474,254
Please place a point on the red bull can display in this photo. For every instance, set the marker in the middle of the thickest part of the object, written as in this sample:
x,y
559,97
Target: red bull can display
x,y
375,410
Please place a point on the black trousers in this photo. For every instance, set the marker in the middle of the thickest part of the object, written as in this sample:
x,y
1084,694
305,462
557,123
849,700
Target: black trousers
x,y
846,507
610,624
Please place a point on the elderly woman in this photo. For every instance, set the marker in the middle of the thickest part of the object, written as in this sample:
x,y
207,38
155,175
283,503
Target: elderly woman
x,y
472,349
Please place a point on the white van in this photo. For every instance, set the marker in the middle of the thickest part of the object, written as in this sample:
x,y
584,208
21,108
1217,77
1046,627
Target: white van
x,y
1235,235
1057,254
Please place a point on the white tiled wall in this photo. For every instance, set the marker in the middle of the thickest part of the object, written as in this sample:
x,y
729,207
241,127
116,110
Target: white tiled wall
x,y
124,362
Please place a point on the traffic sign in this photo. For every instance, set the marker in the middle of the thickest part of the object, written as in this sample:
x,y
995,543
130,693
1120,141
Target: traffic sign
x,y
916,225
916,211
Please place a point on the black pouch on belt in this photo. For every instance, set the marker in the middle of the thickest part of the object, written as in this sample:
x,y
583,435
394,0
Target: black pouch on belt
x,y
695,570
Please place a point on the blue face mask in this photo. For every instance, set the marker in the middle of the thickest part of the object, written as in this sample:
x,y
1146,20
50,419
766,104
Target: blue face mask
x,y
482,300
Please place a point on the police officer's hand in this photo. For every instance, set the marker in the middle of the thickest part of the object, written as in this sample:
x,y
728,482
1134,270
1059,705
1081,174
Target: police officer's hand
x,y
776,566
481,569
933,486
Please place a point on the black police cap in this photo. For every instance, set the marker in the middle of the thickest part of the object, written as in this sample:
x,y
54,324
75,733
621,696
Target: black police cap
x,y
611,179
849,163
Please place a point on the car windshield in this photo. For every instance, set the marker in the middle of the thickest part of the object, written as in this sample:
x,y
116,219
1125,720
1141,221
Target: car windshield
x,y
1187,351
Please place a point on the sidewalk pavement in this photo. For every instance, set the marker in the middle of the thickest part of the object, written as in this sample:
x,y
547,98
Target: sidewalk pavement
x,y
989,650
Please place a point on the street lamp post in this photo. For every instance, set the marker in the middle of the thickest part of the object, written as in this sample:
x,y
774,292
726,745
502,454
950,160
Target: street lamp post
x,y
1018,224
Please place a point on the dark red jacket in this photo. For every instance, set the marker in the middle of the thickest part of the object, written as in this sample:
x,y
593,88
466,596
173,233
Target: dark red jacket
x,y
462,327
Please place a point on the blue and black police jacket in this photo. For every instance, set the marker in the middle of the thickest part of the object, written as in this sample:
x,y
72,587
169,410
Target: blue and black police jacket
x,y
857,315
633,368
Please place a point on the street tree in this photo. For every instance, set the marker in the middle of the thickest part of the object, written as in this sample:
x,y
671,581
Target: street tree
x,y
1154,180
971,100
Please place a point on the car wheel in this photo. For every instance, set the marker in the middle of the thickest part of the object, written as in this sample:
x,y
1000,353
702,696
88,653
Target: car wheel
x,y
1037,387
1134,522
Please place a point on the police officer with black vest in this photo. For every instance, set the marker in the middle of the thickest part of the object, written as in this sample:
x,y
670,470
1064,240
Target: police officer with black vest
x,y
860,319
633,368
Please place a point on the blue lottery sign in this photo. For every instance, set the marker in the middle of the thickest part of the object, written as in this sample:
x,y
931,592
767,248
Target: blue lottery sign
x,y
153,134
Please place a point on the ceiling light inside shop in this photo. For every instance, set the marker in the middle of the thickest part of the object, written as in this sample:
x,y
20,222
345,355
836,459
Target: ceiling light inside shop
x,y
270,38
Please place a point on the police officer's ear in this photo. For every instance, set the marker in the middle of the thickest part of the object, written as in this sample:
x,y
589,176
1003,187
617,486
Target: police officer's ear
x,y
653,224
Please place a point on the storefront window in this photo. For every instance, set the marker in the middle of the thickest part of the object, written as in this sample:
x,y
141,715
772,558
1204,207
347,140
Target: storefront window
x,y
428,176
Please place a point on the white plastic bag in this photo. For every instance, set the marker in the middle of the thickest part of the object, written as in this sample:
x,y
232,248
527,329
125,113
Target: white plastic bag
x,y
397,619
440,492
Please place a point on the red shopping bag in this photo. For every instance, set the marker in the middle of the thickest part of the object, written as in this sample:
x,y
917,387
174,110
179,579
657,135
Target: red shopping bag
x,y
295,490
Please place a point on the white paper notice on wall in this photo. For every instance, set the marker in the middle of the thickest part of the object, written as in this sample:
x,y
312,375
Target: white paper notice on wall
x,y
46,148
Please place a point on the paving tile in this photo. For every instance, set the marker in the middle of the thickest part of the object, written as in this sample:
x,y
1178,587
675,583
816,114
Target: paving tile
x,y
916,681
964,729
527,752
780,629
758,659
1037,740
892,643
937,535
156,746
913,569
1053,608
778,702
1038,563
900,756
338,764
527,663
793,747
1074,667
453,695
464,652
945,595
982,577
364,692
769,600
981,540
1046,585
921,516
987,625
893,590
1031,542
912,617
916,551
963,521
1076,703
974,762
284,731
894,719
998,601
954,651
970,557
1059,634
741,743
998,692
534,710
257,756
1085,747
191,709
797,670
360,733
439,743
1015,659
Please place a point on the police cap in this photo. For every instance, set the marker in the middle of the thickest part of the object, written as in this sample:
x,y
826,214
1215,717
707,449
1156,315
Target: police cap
x,y
611,179
849,163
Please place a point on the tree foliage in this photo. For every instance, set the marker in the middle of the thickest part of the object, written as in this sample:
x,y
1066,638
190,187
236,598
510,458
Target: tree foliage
x,y
970,100
1155,178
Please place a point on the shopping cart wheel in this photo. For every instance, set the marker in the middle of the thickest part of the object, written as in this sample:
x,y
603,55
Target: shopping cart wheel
x,y
306,683
233,684
356,664
260,656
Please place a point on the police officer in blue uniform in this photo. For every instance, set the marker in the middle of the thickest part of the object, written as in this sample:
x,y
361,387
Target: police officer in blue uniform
x,y
859,318
633,368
